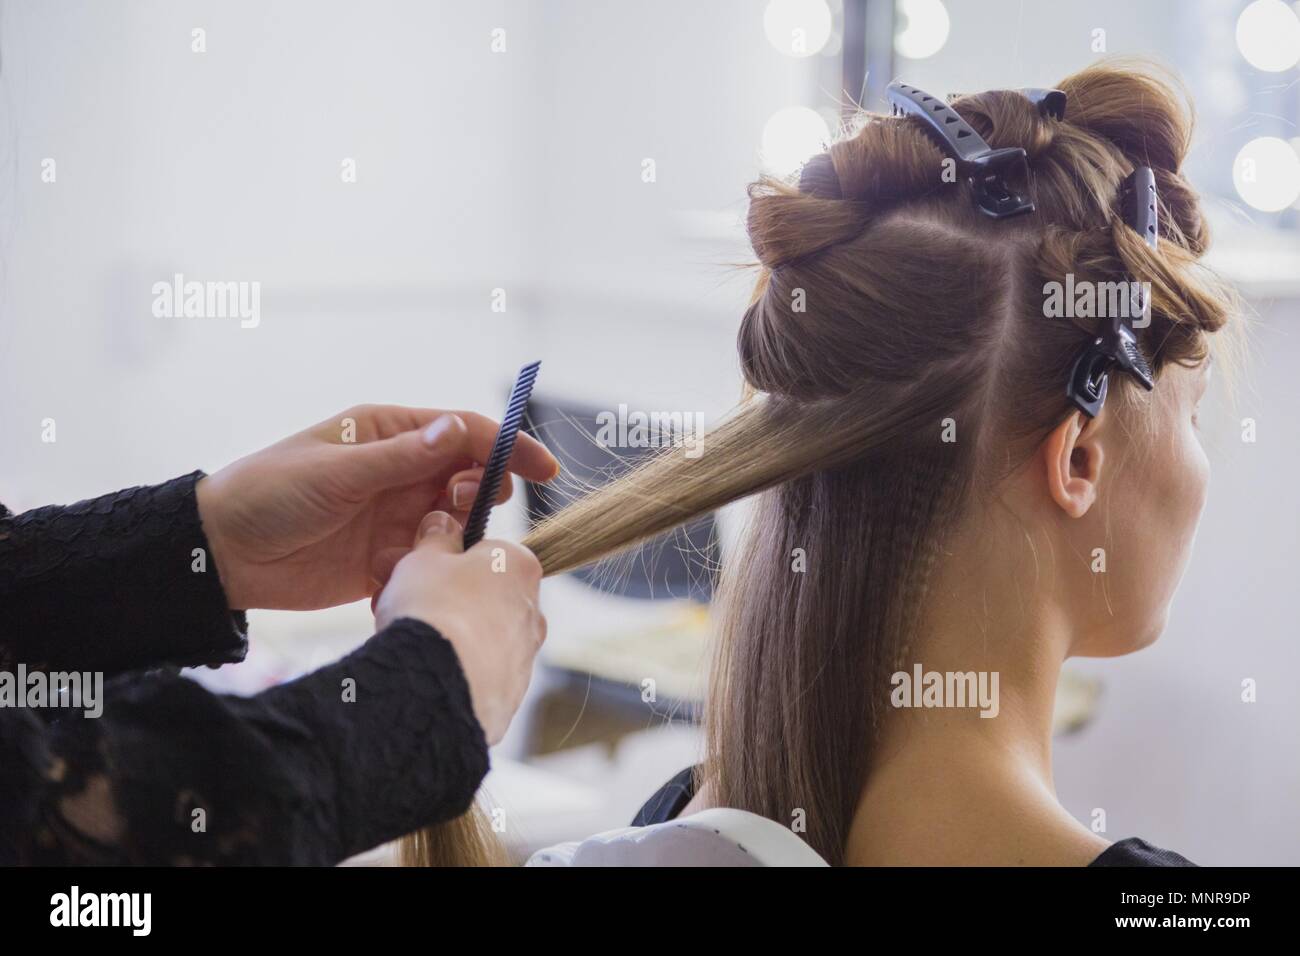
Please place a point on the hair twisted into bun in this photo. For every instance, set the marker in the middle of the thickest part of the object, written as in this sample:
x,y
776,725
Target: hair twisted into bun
x,y
877,266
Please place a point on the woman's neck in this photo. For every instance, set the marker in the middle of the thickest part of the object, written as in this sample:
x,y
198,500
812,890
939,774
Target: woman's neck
x,y
1014,660
982,772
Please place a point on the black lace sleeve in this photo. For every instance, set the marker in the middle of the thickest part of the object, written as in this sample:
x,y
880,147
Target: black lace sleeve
x,y
376,745
114,584
155,769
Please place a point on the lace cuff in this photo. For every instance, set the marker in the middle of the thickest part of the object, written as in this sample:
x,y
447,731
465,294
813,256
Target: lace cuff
x,y
115,583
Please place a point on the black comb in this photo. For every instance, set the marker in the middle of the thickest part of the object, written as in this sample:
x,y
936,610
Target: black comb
x,y
495,469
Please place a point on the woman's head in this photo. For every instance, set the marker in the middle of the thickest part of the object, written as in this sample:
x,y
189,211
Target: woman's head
x,y
881,271
908,426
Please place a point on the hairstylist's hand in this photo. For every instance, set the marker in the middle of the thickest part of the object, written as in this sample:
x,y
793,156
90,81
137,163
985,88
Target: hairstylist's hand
x,y
298,525
483,601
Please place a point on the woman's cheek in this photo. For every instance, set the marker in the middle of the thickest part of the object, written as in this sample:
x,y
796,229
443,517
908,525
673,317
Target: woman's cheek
x,y
1191,474
1198,472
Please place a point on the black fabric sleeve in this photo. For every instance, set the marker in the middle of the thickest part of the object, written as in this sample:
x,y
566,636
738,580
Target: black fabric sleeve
x,y
113,584
373,746
1138,852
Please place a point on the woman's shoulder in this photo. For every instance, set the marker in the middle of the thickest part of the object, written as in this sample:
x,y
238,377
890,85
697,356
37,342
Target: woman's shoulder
x,y
673,798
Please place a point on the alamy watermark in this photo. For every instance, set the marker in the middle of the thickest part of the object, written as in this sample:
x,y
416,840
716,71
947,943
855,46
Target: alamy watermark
x,y
133,911
1083,299
922,688
634,429
71,690
181,299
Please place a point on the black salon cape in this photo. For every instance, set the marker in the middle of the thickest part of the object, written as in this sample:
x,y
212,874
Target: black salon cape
x,y
170,773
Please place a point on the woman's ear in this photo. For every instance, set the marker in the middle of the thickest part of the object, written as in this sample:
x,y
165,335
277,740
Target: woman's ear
x,y
1072,458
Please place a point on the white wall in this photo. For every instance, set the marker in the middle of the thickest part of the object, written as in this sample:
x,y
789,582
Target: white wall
x,y
476,171
522,171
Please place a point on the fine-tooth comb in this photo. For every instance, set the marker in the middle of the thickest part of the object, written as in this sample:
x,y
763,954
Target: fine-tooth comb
x,y
495,468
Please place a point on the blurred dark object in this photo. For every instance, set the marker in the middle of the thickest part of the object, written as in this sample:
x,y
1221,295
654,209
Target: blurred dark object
x,y
679,564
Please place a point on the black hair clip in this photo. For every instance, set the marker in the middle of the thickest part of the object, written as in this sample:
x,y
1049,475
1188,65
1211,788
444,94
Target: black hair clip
x,y
986,168
1141,211
1048,102
1117,345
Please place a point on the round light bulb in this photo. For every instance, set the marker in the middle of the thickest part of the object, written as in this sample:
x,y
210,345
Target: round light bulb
x,y
1268,36
924,28
790,137
1266,174
797,27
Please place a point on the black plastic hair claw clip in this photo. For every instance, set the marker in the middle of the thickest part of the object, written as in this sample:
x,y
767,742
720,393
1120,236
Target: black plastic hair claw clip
x,y
1117,346
1049,102
996,176
1090,376
1142,213
1141,210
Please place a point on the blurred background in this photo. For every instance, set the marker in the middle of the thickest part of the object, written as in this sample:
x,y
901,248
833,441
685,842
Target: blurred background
x,y
431,194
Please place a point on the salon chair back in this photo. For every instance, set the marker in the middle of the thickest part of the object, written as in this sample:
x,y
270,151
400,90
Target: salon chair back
x,y
718,837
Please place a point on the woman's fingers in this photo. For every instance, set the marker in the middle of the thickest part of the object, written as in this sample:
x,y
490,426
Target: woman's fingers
x,y
436,529
462,488
530,458
440,529
430,449
409,458
382,563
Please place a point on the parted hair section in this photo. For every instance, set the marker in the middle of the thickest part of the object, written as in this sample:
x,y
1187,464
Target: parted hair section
x,y
885,294
888,304
877,264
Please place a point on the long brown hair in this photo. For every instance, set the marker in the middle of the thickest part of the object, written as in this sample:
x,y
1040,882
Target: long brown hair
x,y
888,310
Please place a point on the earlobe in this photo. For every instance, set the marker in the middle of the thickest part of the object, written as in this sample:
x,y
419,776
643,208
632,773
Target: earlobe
x,y
1072,460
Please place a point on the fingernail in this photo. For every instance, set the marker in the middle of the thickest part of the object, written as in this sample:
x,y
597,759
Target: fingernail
x,y
437,522
462,496
437,428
